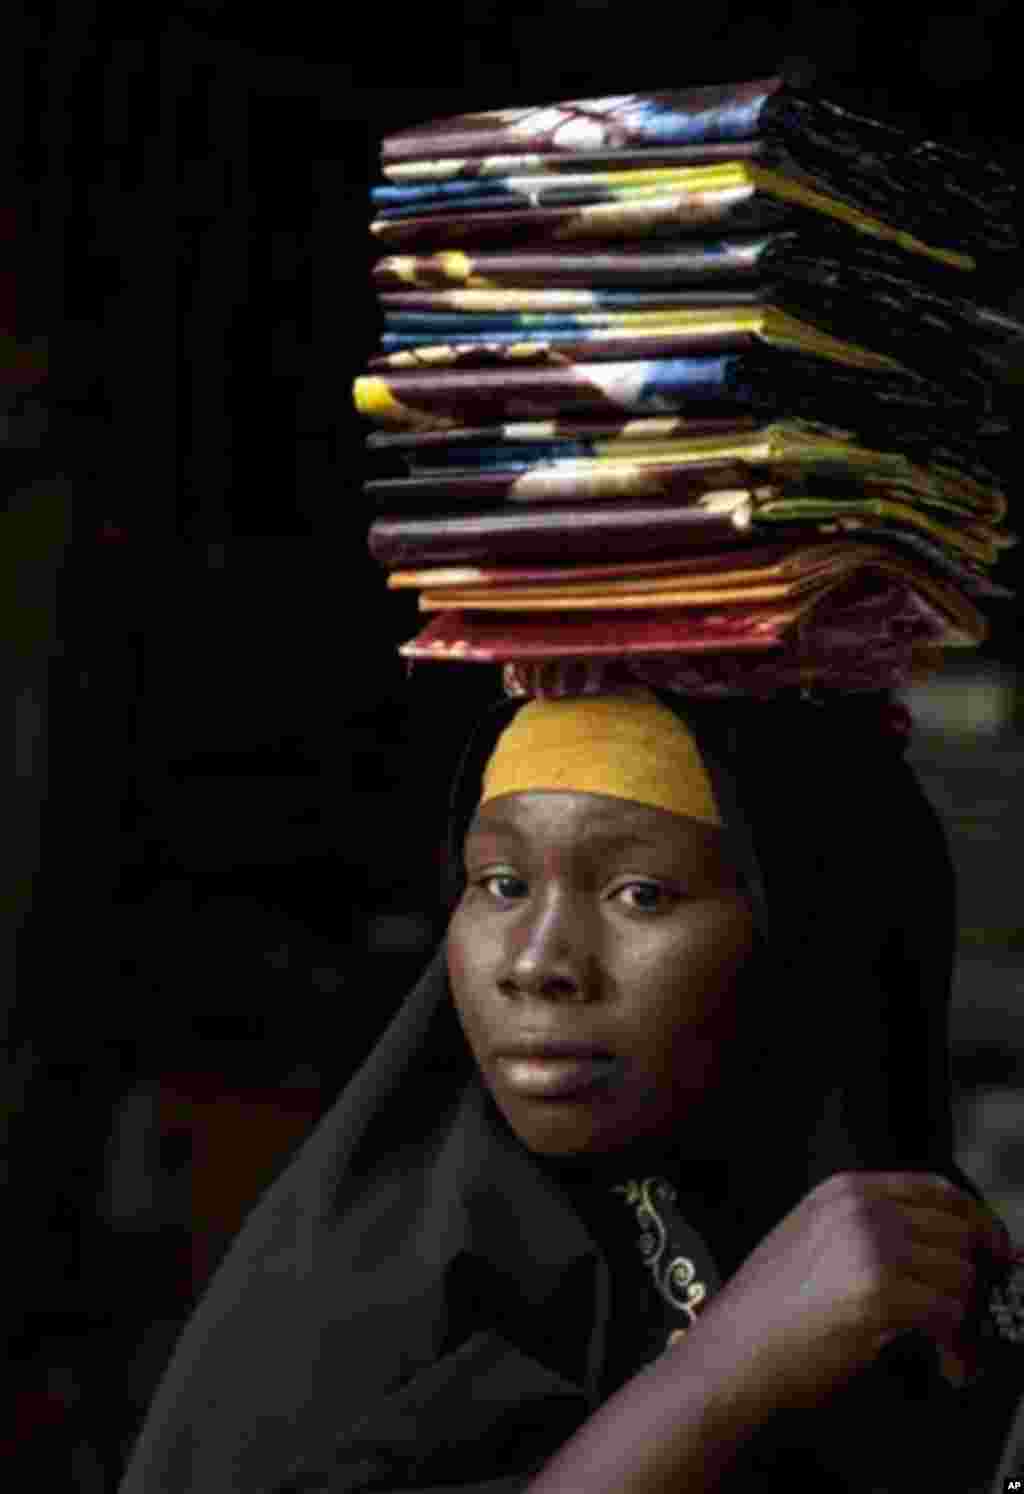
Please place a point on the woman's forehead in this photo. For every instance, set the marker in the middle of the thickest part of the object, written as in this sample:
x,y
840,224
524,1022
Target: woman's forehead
x,y
594,822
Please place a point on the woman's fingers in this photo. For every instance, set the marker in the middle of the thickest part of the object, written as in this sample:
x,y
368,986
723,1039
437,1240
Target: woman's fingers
x,y
952,1273
931,1193
959,1231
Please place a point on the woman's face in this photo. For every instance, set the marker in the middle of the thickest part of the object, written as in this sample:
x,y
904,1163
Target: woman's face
x,y
601,921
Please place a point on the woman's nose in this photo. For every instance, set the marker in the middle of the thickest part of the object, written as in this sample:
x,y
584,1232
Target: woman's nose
x,y
550,953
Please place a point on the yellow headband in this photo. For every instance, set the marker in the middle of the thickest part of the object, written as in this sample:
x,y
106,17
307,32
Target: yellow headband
x,y
627,745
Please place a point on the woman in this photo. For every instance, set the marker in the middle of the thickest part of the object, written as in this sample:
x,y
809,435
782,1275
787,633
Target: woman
x,y
727,1246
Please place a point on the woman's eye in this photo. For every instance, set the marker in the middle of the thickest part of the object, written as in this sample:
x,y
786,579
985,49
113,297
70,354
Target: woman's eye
x,y
650,896
499,877
649,892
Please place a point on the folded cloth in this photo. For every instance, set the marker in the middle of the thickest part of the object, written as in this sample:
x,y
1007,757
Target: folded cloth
x,y
648,476
698,264
523,472
566,481
696,331
581,431
778,490
562,429
799,572
777,498
742,197
835,589
584,533
573,469
709,384
867,166
980,542
644,529
865,293
902,409
960,570
578,459
868,666
861,609
705,563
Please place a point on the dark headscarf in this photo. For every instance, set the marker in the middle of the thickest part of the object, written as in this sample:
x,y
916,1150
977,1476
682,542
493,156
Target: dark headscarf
x,y
417,1302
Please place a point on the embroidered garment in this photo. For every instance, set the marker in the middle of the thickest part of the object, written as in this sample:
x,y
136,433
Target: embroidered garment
x,y
665,1236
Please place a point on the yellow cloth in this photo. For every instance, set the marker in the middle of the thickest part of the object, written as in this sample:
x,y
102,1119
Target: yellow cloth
x,y
627,745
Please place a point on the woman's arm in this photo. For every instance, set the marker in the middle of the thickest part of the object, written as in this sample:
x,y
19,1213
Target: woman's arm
x,y
678,1424
863,1259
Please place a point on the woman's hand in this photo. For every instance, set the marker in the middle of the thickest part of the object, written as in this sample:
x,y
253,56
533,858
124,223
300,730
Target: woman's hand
x,y
863,1258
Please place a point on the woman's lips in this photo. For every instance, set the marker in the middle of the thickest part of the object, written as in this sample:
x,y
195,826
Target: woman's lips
x,y
557,1078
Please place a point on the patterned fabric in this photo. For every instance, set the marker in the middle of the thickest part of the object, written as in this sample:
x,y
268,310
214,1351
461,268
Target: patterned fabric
x,y
728,676
963,572
696,333
557,678
899,409
692,510
933,188
518,475
694,116
741,198
808,576
890,612
665,328
860,289
682,1271
776,448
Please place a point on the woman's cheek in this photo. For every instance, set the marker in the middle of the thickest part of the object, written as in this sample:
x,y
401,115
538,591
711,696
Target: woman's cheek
x,y
472,957
456,954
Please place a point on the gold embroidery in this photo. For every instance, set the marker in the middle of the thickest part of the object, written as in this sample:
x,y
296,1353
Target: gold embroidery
x,y
675,1280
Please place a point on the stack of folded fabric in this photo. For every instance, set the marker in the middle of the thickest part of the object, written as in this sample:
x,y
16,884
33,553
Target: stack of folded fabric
x,y
719,403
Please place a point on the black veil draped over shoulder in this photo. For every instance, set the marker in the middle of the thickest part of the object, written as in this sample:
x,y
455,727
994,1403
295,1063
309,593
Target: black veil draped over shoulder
x,y
417,1302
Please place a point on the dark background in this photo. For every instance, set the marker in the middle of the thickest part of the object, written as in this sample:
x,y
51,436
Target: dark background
x,y
223,850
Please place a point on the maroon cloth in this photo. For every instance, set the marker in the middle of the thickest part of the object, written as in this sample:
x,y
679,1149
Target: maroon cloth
x,y
586,532
860,612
